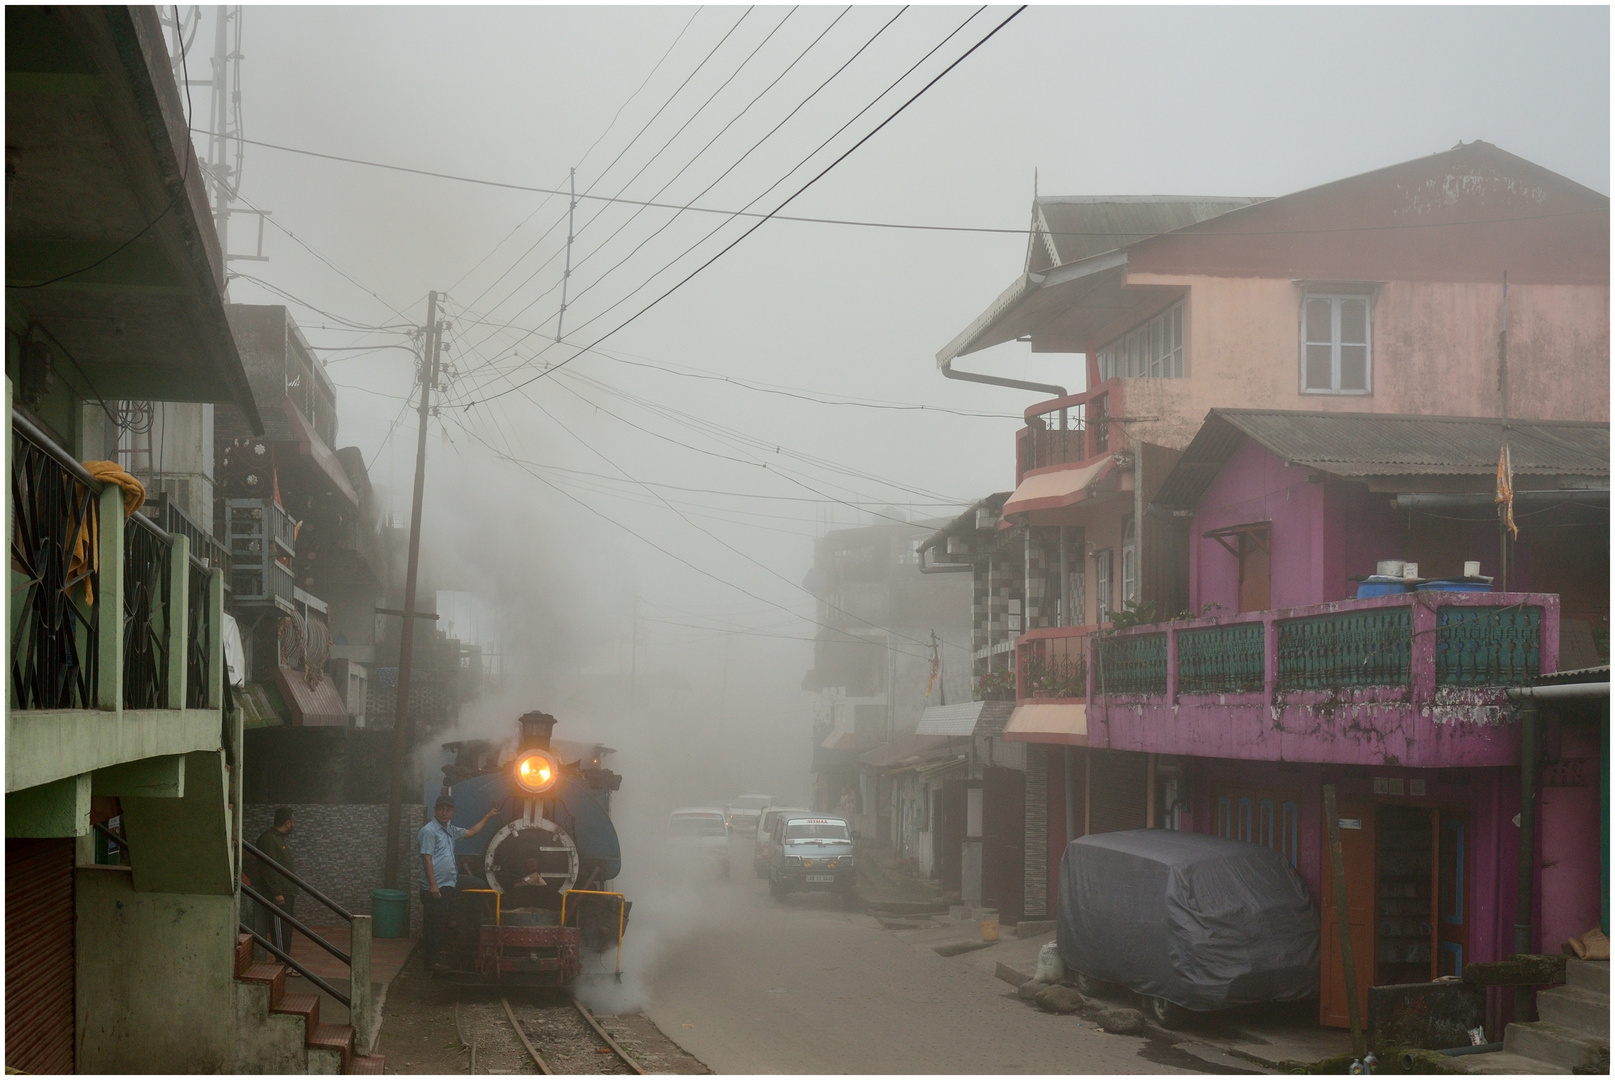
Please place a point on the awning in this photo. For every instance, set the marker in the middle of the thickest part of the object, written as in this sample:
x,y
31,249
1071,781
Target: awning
x,y
839,740
316,706
950,719
907,751
1058,489
323,457
1065,725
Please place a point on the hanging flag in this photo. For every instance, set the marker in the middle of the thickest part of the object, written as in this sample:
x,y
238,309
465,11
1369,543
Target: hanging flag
x,y
1505,489
931,681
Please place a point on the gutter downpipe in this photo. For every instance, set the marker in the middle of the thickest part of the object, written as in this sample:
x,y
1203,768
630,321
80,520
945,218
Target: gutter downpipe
x,y
1530,751
996,380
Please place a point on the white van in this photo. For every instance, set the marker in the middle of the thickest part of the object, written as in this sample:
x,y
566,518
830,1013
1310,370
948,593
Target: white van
x,y
700,831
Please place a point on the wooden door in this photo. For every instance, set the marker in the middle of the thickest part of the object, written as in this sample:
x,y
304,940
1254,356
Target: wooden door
x,y
1003,835
1255,590
1452,897
1357,851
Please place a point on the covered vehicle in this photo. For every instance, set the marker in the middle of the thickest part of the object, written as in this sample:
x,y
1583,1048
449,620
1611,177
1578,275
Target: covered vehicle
x,y
1189,921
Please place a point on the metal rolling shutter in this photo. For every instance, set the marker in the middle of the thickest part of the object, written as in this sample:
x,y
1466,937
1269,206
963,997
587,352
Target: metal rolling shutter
x,y
1117,799
39,955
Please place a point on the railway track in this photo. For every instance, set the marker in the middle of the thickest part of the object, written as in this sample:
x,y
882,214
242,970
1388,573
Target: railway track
x,y
523,1037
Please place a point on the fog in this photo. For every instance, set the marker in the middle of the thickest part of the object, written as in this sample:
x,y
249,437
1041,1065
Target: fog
x,y
638,522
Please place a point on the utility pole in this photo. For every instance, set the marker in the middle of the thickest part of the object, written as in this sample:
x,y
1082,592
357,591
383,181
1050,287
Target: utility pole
x,y
1505,465
403,722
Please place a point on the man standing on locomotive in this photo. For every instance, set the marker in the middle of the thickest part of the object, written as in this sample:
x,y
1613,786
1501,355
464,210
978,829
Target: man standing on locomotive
x,y
439,874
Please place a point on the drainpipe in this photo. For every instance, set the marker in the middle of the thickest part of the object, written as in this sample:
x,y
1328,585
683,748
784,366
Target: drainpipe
x,y
1529,735
995,380
1564,692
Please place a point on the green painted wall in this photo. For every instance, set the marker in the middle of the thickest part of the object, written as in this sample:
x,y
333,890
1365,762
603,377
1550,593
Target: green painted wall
x,y
156,981
183,845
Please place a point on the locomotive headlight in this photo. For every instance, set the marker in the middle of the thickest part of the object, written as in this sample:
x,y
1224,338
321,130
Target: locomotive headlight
x,y
536,772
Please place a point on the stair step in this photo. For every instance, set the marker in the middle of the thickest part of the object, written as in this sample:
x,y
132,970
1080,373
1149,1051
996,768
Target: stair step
x,y
1504,1063
1579,1010
244,945
337,1037
272,975
1556,1044
372,1065
1588,975
305,1005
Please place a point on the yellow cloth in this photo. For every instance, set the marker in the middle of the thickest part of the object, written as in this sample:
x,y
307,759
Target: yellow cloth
x,y
87,542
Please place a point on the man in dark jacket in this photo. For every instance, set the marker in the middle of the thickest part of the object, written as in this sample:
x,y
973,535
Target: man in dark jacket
x,y
272,884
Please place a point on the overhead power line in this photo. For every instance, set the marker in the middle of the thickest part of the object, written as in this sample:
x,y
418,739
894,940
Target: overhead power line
x,y
788,200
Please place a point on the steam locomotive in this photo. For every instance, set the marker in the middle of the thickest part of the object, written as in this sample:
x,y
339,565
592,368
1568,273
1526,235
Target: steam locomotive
x,y
543,902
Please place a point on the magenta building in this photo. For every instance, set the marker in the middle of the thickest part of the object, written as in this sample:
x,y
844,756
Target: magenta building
x,y
1287,681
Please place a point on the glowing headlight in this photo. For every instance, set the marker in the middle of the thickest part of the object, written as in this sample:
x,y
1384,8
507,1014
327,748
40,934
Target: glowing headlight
x,y
536,771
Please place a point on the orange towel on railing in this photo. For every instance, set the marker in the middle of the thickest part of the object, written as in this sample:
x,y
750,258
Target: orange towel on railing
x,y
86,542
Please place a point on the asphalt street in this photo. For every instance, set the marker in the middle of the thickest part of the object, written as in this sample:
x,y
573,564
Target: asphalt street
x,y
800,986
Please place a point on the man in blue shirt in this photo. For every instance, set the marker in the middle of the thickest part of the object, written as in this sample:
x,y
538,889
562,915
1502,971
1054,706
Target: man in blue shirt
x,y
439,875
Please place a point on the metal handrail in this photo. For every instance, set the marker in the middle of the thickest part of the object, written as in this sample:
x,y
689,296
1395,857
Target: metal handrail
x,y
21,423
141,520
252,849
286,958
295,924
622,914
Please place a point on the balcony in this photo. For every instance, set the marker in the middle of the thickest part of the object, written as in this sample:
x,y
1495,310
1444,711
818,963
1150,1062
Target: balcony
x,y
259,538
1051,665
112,620
1416,679
1067,431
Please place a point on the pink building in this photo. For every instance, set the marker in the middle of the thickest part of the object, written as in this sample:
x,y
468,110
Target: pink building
x,y
1289,682
1381,294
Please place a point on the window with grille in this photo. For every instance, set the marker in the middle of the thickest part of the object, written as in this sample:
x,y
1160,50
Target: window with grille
x,y
1335,336
1153,349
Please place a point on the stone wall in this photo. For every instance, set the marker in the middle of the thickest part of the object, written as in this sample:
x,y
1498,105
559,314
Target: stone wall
x,y
1037,833
340,851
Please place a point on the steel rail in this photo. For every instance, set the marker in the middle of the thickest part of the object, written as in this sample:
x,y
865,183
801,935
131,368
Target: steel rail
x,y
295,924
252,849
627,1059
532,1051
286,959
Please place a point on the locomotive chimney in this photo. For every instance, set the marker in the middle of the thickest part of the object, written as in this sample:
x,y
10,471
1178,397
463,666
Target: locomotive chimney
x,y
536,728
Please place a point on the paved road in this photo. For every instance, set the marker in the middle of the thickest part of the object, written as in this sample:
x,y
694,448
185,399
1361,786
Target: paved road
x,y
758,986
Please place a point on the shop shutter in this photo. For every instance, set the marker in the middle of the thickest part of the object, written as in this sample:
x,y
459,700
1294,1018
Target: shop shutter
x,y
1118,795
39,955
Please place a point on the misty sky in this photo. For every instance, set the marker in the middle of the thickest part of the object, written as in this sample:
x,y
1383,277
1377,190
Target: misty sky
x,y
1124,101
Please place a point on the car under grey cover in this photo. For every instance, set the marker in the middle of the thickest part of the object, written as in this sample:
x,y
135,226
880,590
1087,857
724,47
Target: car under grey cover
x,y
1200,921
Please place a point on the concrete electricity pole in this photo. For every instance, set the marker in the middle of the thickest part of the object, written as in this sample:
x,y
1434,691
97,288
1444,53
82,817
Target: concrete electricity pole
x,y
403,721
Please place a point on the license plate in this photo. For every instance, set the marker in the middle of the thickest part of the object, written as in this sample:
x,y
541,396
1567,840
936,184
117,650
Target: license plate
x,y
821,879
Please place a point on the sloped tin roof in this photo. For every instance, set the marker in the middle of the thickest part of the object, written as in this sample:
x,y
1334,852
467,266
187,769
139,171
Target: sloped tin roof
x,y
1082,225
1361,445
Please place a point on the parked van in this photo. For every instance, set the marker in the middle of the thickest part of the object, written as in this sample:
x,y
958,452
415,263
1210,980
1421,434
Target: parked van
x,y
811,852
765,826
701,832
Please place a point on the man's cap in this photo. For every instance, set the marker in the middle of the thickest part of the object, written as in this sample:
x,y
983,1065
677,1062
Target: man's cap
x,y
445,800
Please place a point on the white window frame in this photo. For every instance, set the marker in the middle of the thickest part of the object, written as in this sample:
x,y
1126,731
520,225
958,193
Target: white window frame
x,y
1103,564
1152,349
1308,338
1129,560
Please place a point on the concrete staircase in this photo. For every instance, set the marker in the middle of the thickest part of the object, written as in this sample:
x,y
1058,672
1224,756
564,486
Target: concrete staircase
x,y
288,1035
1572,1035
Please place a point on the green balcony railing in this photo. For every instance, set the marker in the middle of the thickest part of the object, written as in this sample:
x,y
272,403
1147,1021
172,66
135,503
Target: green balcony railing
x,y
1132,664
1371,647
1221,659
1488,646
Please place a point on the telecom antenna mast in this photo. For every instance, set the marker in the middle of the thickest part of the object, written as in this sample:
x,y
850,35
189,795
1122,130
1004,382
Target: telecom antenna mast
x,y
225,150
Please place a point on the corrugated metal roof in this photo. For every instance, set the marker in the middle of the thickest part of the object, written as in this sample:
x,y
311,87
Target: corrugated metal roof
x,y
908,749
1084,225
1361,445
950,719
